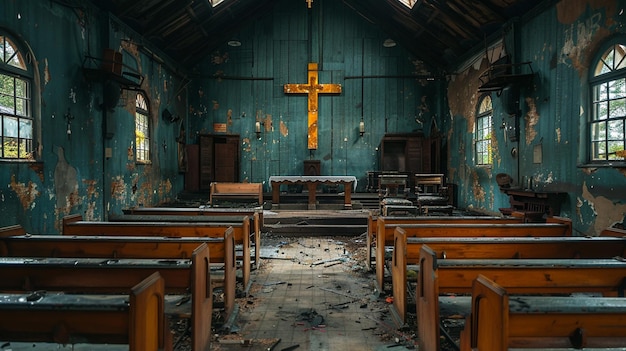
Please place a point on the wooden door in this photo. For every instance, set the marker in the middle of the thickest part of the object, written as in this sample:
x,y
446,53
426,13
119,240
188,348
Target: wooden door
x,y
219,159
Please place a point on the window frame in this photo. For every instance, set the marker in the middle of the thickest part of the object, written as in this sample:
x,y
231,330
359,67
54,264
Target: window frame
x,y
25,76
485,139
141,121
595,83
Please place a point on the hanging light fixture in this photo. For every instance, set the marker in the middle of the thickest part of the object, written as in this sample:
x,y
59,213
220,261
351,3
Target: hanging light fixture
x,y
361,127
234,43
389,43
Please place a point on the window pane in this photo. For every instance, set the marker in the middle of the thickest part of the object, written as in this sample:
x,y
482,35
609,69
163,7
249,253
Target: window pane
x,y
613,147
21,108
21,88
598,131
620,56
25,150
616,130
9,127
617,108
7,93
602,111
598,151
617,89
600,92
26,128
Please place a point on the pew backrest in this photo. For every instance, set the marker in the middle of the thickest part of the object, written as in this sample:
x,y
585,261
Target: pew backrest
x,y
136,318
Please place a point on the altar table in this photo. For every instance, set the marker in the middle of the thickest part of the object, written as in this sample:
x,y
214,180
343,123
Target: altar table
x,y
311,182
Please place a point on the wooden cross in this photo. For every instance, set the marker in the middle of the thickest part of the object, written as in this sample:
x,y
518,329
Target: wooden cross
x,y
312,89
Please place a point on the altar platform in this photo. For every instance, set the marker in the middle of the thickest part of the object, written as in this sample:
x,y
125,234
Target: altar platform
x,y
312,183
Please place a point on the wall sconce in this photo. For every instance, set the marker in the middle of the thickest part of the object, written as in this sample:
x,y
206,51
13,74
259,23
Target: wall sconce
x,y
257,129
69,118
361,127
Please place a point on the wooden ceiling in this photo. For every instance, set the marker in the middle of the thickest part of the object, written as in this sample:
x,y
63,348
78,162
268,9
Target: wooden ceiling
x,y
438,32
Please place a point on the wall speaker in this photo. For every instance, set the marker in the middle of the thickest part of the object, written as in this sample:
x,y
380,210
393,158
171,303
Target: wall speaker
x,y
510,99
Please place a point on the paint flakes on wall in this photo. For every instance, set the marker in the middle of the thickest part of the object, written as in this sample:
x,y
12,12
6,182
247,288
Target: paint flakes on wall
x,y
284,130
46,72
65,184
477,189
606,212
118,188
531,118
130,153
247,146
165,189
26,193
582,36
89,199
558,135
268,123
462,93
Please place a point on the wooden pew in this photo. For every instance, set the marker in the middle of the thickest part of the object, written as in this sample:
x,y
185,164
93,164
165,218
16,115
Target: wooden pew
x,y
73,225
222,251
520,276
236,192
556,226
182,277
406,252
616,232
255,213
382,222
499,321
135,318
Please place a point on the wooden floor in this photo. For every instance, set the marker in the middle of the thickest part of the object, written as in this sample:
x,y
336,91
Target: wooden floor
x,y
314,293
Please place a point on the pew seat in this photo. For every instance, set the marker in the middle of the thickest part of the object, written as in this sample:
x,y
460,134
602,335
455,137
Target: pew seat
x,y
406,253
135,318
500,321
520,276
73,225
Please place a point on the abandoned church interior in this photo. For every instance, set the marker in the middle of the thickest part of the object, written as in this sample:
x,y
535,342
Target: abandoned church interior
x,y
312,175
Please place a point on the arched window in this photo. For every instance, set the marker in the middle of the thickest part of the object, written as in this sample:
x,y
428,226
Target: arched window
x,y
142,130
483,131
608,98
16,116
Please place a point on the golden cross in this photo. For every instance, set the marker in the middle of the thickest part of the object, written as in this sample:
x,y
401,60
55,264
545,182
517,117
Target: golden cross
x,y
312,89
309,2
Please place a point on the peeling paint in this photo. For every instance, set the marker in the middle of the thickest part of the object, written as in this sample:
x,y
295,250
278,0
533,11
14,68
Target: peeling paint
x,y
268,123
558,135
606,211
26,193
495,150
130,153
477,189
582,37
118,188
46,72
463,94
531,118
65,184
165,188
284,130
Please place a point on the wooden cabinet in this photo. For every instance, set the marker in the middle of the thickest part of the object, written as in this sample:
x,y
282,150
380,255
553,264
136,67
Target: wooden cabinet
x,y
219,159
410,153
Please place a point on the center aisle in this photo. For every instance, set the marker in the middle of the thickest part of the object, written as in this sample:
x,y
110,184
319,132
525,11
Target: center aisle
x,y
314,293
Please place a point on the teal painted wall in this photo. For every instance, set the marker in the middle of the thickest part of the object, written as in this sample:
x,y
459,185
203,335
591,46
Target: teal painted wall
x,y
72,174
240,85
237,86
560,41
